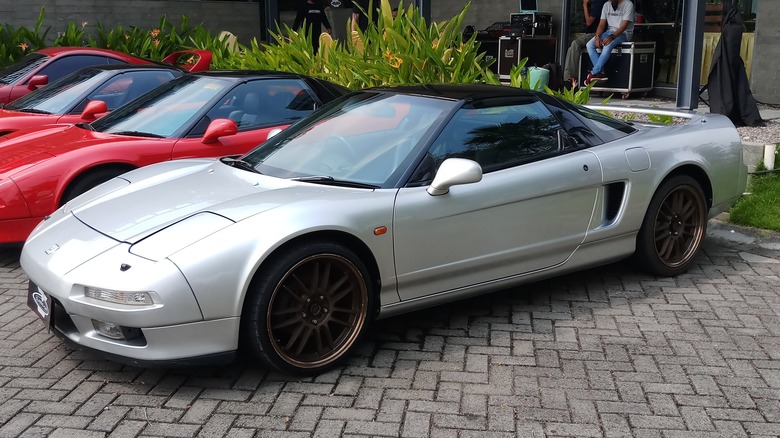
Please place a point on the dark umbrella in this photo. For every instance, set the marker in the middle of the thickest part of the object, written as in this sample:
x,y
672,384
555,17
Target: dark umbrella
x,y
729,88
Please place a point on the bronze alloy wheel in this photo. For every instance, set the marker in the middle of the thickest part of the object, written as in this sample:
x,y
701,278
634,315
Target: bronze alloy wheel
x,y
679,226
317,311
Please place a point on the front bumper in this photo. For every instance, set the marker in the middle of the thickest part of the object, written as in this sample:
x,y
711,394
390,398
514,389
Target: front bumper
x,y
78,332
60,261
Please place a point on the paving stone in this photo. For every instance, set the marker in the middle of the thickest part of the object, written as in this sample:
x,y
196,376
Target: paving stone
x,y
604,352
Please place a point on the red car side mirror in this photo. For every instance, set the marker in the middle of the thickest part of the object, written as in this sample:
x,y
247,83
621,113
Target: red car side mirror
x,y
37,81
93,108
219,128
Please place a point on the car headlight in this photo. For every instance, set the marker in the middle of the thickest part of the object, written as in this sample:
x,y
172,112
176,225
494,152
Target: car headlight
x,y
173,238
132,298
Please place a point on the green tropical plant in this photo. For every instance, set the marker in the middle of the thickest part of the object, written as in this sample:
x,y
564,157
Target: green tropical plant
x,y
660,118
226,53
15,43
35,37
154,43
72,36
578,95
392,51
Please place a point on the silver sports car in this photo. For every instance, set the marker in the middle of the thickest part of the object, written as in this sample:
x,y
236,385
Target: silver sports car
x,y
385,201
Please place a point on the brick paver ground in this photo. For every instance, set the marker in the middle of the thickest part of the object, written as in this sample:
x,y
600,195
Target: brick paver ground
x,y
606,352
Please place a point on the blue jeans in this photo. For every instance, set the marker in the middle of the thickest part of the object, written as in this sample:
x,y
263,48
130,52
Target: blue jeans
x,y
600,59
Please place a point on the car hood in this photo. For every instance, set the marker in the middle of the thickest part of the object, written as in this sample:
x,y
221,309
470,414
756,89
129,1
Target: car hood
x,y
49,140
14,120
146,200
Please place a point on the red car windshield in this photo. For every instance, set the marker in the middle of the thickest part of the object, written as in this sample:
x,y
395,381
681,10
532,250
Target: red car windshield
x,y
59,97
168,111
11,74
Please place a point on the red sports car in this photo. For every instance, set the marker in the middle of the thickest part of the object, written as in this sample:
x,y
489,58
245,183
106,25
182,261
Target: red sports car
x,y
205,114
48,65
84,95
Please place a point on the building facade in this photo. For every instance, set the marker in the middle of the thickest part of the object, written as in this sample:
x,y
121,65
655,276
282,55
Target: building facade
x,y
249,19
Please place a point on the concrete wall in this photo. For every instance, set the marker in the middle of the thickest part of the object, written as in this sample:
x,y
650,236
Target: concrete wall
x,y
766,54
242,19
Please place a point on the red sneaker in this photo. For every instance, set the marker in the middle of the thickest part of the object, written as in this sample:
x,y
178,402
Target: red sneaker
x,y
599,77
589,78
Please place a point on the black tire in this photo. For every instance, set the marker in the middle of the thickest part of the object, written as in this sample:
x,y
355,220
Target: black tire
x,y
306,310
673,228
88,181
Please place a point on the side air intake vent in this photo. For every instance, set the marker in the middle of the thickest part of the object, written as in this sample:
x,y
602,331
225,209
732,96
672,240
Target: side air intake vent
x,y
613,198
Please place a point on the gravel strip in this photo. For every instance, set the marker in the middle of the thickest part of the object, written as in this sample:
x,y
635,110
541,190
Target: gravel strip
x,y
767,134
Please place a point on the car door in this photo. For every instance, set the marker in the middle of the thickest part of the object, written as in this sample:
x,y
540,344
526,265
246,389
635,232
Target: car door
x,y
530,211
257,107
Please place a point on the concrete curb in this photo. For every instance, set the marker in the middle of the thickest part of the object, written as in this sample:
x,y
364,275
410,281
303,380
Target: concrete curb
x,y
752,154
719,227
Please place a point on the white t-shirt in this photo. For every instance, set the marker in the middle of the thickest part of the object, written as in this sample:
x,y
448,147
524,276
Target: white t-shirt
x,y
615,17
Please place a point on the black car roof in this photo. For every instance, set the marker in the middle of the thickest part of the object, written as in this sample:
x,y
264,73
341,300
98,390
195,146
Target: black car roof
x,y
115,67
242,74
458,91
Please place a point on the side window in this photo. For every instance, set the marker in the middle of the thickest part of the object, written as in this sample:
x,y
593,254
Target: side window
x,y
260,104
123,88
498,137
110,60
68,64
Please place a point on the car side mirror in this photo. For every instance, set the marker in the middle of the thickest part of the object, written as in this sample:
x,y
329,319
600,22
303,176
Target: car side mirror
x,y
454,171
219,128
93,108
37,81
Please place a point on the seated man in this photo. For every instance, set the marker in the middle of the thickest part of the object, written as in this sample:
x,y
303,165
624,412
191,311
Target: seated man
x,y
618,18
592,10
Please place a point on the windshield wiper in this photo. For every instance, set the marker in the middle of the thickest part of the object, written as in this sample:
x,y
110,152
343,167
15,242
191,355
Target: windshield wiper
x,y
138,134
329,180
33,110
239,164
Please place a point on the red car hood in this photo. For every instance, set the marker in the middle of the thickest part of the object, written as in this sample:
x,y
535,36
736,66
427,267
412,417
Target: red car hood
x,y
52,140
15,120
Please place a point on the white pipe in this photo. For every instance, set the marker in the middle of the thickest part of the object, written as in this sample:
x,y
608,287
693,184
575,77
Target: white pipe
x,y
769,156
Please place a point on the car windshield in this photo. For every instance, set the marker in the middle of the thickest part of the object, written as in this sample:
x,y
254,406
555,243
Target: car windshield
x,y
369,138
60,96
20,69
167,111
